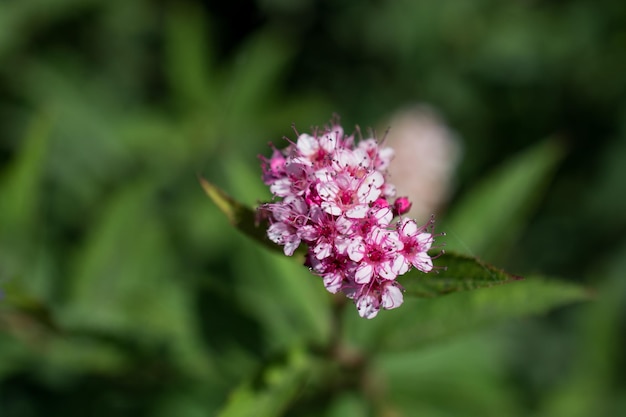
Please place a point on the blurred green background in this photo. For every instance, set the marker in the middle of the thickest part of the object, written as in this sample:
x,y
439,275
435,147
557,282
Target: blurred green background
x,y
126,293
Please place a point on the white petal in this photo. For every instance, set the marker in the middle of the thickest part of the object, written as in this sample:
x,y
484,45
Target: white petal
x,y
342,244
308,232
399,265
342,158
324,175
425,240
364,273
328,142
328,190
392,240
367,307
299,205
406,265
385,270
281,187
408,228
291,246
383,216
392,297
356,249
369,190
388,190
277,233
331,208
323,250
343,225
377,236
423,262
357,212
333,282
307,144
385,155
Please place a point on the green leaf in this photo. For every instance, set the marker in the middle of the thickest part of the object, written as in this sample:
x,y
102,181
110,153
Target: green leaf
x,y
305,309
495,210
587,385
250,81
243,218
25,308
474,368
21,181
303,312
240,216
420,321
457,273
189,58
130,285
271,392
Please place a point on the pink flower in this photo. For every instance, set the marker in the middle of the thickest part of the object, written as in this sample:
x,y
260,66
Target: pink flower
x,y
273,168
378,255
387,295
343,193
416,243
402,205
333,196
320,233
288,218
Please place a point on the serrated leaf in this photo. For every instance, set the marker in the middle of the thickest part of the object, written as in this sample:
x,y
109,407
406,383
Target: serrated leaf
x,y
420,321
271,392
495,209
457,273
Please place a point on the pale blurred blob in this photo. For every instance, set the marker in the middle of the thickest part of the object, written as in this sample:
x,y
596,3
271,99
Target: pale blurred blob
x,y
426,155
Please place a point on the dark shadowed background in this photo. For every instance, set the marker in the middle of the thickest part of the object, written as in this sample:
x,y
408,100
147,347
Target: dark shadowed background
x,y
128,294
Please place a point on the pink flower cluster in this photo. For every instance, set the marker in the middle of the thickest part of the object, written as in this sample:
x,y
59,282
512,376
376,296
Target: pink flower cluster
x,y
333,196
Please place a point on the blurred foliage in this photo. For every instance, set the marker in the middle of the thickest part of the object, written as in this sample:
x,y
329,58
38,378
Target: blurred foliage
x,y
126,292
